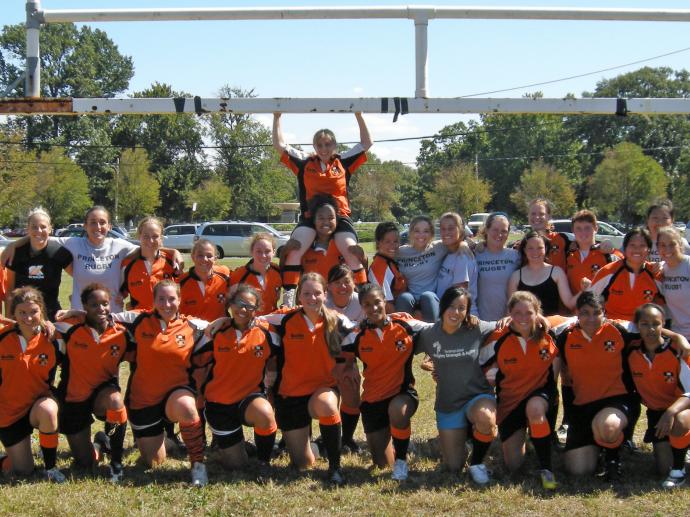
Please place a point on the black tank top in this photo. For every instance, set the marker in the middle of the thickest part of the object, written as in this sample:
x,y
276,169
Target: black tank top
x,y
547,292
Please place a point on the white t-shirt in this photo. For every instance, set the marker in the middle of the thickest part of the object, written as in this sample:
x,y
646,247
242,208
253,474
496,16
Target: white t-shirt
x,y
353,310
92,264
456,269
676,290
494,270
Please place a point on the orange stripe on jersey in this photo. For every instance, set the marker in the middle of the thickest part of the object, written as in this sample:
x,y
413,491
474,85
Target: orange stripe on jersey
x,y
386,354
268,285
162,360
238,363
661,380
139,282
595,366
304,363
90,360
25,374
318,260
385,273
559,248
578,268
208,304
523,366
333,178
613,281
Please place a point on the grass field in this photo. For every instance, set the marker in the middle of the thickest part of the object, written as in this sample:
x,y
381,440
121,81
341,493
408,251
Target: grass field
x,y
430,490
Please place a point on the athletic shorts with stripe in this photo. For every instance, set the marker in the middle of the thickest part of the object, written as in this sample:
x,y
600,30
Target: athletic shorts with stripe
x,y
375,414
226,420
150,421
75,416
516,420
580,426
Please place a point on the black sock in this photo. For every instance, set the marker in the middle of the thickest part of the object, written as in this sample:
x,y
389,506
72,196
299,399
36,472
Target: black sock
x,y
331,435
169,429
264,446
679,458
568,396
117,440
479,450
109,427
202,417
542,446
349,426
49,457
400,446
633,417
611,454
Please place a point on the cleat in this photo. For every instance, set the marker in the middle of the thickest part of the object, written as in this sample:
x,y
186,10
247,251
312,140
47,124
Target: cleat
x,y
55,475
289,298
612,470
675,479
199,475
400,470
336,477
479,474
548,480
116,473
351,447
101,446
264,471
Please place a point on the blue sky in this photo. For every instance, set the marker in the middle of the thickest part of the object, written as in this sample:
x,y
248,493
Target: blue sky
x,y
371,58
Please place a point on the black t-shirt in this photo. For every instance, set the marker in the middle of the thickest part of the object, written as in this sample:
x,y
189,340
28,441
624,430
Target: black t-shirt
x,y
42,270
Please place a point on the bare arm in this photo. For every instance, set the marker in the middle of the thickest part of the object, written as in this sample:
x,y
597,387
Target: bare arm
x,y
513,283
364,136
278,140
8,253
567,297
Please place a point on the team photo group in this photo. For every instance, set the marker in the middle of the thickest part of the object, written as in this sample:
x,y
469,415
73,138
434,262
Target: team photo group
x,y
547,344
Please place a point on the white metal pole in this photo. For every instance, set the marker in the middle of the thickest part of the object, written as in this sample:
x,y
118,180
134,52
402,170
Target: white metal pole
x,y
421,46
33,53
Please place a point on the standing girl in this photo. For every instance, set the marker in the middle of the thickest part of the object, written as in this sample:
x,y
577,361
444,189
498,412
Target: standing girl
x,y
260,272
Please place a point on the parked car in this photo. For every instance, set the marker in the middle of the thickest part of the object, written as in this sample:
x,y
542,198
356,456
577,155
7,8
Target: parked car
x,y
4,241
80,232
476,221
231,238
73,226
606,231
405,234
179,236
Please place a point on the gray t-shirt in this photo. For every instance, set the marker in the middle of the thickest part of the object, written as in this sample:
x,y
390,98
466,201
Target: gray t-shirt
x,y
420,268
92,264
456,363
353,310
676,290
494,270
458,268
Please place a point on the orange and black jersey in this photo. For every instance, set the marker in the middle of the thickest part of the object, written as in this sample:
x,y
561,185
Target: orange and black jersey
x,y
595,363
160,354
139,276
559,245
304,361
386,354
518,366
579,266
27,371
89,358
268,284
319,260
624,290
204,300
662,380
238,360
315,177
385,273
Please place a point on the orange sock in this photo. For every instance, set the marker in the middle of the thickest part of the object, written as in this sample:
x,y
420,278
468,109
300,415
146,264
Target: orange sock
x,y
680,442
401,434
330,420
359,276
539,429
116,416
265,431
48,440
193,437
486,438
291,276
613,445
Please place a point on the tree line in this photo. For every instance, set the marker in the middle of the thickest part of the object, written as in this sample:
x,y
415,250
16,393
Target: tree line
x,y
224,163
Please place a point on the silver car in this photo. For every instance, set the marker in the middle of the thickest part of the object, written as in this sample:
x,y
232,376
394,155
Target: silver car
x,y
606,232
232,238
179,236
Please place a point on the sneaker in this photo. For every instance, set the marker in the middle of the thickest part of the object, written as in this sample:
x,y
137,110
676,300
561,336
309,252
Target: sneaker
x,y
612,470
675,479
562,432
199,475
351,447
548,480
479,474
336,477
116,472
101,446
289,298
264,471
55,475
400,470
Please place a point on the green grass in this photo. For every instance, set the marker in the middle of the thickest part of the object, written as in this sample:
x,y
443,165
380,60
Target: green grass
x,y
430,490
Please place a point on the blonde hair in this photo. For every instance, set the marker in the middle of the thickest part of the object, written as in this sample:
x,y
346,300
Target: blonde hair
x,y
330,317
38,211
531,299
166,283
457,219
488,223
149,220
262,236
671,233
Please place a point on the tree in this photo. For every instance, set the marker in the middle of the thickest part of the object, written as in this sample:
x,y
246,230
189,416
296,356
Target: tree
x,y
61,187
626,182
134,190
213,199
375,189
458,189
541,180
17,180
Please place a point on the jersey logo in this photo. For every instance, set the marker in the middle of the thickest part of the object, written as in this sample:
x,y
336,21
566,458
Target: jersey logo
x,y
555,248
258,351
43,359
595,268
179,339
648,295
335,171
609,346
400,345
544,354
114,350
36,272
669,377
221,298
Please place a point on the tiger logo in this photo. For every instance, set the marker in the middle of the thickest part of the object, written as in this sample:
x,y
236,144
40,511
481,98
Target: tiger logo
x,y
400,345
609,346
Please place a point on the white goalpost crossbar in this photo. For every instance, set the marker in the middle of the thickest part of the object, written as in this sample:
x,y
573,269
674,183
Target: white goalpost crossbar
x,y
420,103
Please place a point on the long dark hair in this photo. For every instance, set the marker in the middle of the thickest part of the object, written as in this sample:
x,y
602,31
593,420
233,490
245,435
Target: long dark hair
x,y
449,296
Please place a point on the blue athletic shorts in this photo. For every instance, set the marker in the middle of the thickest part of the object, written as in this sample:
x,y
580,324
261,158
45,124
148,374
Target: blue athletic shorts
x,y
458,419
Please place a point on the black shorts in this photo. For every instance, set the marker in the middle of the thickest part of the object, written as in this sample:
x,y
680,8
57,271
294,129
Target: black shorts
x,y
76,416
517,418
344,225
580,426
375,414
226,420
16,432
292,412
653,416
150,421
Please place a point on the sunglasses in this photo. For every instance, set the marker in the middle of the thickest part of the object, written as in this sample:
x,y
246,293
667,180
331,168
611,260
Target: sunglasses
x,y
244,305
